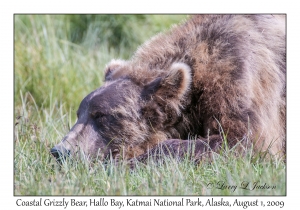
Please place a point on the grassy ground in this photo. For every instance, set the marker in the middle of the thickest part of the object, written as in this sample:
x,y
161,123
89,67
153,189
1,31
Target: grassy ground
x,y
58,60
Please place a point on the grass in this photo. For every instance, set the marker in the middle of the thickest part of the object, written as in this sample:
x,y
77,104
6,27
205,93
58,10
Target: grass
x,y
58,60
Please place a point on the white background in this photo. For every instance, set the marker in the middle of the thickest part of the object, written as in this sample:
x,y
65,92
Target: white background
x,y
9,8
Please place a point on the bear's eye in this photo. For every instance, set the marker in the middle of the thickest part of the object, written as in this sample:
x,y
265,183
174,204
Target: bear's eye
x,y
97,115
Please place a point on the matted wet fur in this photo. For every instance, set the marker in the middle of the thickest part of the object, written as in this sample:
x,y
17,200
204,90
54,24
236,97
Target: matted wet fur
x,y
210,74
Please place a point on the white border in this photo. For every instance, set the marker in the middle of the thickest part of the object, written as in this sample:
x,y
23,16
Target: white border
x,y
8,8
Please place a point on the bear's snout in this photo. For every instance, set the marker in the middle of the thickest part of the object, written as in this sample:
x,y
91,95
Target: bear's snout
x,y
60,153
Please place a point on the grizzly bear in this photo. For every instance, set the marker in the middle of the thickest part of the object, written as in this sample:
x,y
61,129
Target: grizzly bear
x,y
212,80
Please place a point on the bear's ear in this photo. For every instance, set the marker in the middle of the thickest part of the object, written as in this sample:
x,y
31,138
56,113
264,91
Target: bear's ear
x,y
115,69
174,85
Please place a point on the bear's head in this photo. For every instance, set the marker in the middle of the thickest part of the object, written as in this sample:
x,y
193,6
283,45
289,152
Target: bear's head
x,y
134,110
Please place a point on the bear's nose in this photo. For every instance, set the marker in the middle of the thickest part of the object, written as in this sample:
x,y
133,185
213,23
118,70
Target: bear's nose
x,y
60,153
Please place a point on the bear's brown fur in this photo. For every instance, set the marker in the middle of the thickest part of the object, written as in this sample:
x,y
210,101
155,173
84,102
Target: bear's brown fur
x,y
212,75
